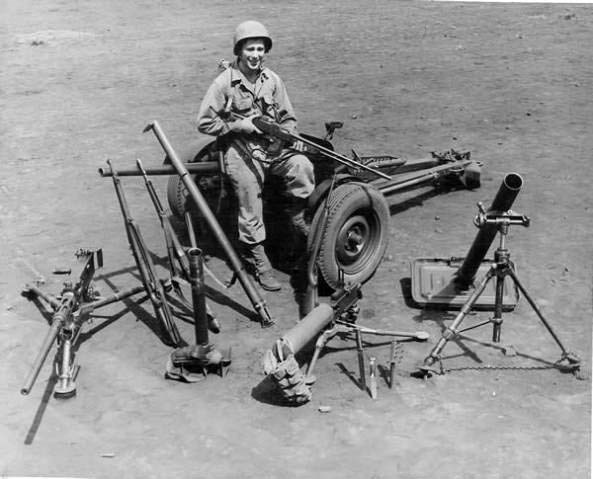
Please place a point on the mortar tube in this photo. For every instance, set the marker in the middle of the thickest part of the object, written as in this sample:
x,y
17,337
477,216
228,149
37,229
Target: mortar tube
x,y
196,279
504,199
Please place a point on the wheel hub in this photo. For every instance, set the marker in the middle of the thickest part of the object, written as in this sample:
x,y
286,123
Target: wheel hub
x,y
352,239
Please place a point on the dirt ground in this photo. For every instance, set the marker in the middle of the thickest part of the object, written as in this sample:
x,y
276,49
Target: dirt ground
x,y
511,83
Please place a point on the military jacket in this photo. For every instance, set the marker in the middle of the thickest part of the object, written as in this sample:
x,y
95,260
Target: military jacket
x,y
231,92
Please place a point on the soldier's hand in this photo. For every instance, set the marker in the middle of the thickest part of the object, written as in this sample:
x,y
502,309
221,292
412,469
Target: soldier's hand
x,y
246,126
298,146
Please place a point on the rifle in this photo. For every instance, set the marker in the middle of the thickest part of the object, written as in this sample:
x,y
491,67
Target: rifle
x,y
178,261
152,284
180,265
274,130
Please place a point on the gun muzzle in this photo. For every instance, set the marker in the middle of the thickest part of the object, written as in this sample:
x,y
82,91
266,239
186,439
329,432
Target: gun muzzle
x,y
504,199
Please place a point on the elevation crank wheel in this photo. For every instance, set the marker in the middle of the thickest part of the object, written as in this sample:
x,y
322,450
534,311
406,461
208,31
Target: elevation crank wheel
x,y
355,233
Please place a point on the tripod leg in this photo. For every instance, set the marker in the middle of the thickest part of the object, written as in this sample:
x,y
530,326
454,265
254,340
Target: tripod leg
x,y
452,330
392,362
572,362
360,351
498,299
319,345
536,309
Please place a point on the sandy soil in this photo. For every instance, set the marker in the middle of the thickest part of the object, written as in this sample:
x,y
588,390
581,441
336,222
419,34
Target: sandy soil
x,y
510,83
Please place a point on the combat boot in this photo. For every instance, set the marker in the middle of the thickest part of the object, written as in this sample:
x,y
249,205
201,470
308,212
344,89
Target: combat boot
x,y
259,265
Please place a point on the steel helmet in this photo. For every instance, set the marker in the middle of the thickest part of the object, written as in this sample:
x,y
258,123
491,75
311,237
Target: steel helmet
x,y
251,29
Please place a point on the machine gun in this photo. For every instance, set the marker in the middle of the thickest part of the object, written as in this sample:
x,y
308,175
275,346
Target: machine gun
x,y
71,309
280,362
324,322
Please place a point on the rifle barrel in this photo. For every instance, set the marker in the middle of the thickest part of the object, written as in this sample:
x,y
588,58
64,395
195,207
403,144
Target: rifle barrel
x,y
151,189
341,158
144,263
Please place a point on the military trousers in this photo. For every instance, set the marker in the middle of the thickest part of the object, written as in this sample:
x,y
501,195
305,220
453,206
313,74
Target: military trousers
x,y
247,176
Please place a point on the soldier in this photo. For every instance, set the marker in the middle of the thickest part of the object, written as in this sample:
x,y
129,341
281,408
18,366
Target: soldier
x,y
245,89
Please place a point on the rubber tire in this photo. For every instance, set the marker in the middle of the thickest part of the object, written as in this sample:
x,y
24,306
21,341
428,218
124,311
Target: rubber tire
x,y
355,209
176,192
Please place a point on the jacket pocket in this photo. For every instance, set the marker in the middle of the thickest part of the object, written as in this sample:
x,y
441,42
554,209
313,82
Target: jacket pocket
x,y
242,105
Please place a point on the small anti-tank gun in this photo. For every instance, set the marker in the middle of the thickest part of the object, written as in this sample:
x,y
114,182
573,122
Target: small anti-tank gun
x,y
357,230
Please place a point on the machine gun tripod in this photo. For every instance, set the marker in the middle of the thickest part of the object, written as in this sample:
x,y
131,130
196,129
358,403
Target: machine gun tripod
x,y
324,322
344,323
500,268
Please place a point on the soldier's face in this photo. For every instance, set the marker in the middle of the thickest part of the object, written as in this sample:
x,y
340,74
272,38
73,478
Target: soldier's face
x,y
253,53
